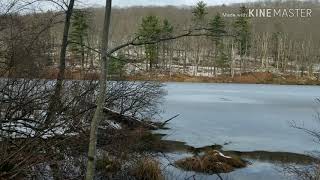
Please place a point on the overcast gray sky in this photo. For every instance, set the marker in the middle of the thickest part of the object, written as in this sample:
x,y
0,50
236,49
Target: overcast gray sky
x,y
125,3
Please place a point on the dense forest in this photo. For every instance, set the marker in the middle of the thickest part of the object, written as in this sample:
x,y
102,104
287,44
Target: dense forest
x,y
281,46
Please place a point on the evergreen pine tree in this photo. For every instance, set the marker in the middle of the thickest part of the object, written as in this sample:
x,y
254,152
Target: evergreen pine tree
x,y
150,30
242,31
199,13
79,35
218,31
242,35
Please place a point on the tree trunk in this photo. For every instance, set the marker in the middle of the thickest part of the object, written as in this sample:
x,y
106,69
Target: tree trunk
x,y
232,60
170,59
185,62
101,96
82,58
55,99
279,52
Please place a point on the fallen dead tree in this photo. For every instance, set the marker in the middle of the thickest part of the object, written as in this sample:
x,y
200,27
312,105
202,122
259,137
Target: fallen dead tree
x,y
134,122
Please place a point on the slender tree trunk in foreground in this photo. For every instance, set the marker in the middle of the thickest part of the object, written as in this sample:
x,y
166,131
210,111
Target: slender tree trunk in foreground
x,y
56,97
54,101
101,96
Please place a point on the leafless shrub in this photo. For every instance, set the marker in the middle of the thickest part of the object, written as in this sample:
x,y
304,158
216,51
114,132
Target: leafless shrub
x,y
136,99
311,172
303,173
28,139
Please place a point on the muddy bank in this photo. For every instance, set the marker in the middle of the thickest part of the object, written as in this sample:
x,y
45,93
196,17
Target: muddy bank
x,y
215,159
169,146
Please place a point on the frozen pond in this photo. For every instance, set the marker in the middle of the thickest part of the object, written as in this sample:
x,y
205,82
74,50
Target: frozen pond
x,y
248,117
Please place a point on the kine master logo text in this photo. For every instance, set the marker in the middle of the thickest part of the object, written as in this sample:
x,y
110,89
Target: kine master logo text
x,y
268,13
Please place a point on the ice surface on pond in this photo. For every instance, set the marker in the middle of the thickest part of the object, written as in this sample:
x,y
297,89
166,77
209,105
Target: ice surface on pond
x,y
251,117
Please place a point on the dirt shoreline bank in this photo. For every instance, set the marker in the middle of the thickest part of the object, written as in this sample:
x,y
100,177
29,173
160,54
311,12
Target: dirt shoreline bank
x,y
247,78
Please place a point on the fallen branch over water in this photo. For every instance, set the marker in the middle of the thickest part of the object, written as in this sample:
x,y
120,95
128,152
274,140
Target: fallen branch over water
x,y
166,121
132,122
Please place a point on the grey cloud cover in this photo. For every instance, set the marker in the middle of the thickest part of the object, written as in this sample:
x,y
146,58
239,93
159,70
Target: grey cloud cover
x,y
124,3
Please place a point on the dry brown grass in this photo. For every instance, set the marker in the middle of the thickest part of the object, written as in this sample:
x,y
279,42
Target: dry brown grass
x,y
210,162
147,169
245,78
52,73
